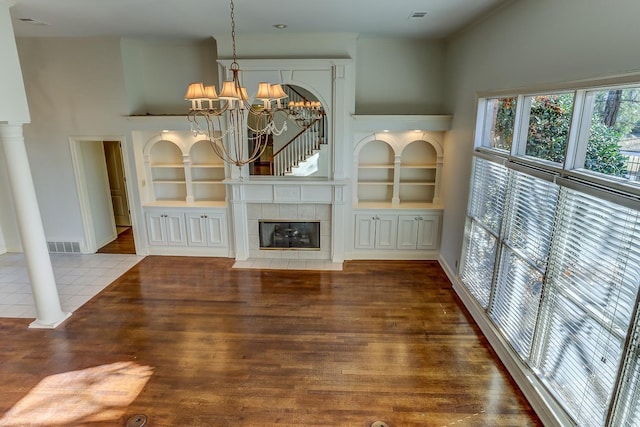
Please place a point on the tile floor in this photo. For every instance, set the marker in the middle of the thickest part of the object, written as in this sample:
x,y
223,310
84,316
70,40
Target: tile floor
x,y
78,277
288,264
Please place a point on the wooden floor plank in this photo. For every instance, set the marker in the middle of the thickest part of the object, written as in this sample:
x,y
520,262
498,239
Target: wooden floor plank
x,y
380,340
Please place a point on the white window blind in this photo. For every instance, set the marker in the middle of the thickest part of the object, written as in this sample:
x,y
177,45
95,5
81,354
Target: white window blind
x,y
589,298
484,216
527,230
628,405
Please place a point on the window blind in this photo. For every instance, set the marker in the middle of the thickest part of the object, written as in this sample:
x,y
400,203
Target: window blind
x,y
627,412
588,302
527,230
486,198
484,217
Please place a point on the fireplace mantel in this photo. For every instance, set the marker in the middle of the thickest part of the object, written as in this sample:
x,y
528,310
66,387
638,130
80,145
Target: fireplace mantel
x,y
292,192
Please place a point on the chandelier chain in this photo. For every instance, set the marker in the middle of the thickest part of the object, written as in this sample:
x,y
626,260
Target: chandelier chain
x,y
233,33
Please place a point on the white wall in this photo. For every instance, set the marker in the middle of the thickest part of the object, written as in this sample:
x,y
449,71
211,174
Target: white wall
x,y
9,234
13,102
531,43
158,72
399,76
83,87
74,87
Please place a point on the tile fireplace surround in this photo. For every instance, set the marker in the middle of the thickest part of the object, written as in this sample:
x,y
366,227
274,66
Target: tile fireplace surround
x,y
254,200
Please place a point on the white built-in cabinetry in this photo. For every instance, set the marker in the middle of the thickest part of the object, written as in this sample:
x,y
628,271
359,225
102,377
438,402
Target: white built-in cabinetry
x,y
185,197
396,196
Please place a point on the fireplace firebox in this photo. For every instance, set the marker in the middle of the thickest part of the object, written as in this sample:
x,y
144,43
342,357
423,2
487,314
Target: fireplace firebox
x,y
299,235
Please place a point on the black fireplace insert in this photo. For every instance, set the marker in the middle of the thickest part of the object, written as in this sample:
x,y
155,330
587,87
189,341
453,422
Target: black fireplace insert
x,y
276,234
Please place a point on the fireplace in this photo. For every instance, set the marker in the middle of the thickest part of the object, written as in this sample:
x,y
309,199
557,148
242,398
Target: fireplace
x,y
289,235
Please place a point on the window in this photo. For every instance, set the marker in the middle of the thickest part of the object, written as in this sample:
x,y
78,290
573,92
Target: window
x,y
529,212
500,116
548,128
613,146
590,293
485,215
552,244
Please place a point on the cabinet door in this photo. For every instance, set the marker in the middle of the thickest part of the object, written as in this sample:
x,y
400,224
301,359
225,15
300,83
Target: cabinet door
x,y
196,232
174,224
407,231
365,232
216,229
156,233
429,232
386,229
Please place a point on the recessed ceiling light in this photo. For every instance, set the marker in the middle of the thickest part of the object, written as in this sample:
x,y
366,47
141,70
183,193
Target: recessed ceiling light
x,y
280,26
417,15
32,21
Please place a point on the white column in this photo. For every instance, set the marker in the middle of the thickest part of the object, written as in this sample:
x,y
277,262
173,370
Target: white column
x,y
45,294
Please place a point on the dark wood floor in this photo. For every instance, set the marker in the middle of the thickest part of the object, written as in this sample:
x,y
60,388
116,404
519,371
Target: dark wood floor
x,y
378,341
124,244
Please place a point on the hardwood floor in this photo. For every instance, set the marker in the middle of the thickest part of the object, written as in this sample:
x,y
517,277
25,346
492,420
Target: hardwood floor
x,y
380,340
124,244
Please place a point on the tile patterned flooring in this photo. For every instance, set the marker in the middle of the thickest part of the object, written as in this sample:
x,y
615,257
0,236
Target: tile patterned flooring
x,y
78,277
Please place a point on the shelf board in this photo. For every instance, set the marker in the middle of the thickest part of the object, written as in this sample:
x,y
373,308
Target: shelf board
x,y
418,166
417,183
374,183
363,204
207,166
168,165
168,181
375,166
208,181
174,203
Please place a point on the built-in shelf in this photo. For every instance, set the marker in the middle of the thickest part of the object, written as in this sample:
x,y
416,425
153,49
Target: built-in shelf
x,y
184,172
396,170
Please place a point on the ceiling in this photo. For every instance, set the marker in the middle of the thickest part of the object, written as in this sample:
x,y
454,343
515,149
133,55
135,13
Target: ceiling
x,y
198,19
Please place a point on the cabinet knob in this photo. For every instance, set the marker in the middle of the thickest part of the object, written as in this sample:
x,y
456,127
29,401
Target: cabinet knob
x,y
417,218
420,218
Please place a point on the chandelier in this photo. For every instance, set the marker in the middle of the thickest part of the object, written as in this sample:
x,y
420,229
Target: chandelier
x,y
237,129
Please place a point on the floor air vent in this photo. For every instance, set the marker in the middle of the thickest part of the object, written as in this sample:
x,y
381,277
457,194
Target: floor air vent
x,y
64,247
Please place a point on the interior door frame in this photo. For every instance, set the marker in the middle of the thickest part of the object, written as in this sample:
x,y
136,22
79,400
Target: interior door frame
x,y
89,245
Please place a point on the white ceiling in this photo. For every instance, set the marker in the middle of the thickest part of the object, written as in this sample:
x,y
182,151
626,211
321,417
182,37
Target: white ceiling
x,y
197,19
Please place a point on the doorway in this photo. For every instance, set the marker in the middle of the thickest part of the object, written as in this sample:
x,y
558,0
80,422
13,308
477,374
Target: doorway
x,y
99,166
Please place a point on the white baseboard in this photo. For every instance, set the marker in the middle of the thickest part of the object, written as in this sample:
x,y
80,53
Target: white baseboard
x,y
545,406
189,251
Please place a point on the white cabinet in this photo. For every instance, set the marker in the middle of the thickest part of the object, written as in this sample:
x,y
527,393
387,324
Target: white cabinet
x,y
397,234
186,231
165,228
375,231
206,229
418,232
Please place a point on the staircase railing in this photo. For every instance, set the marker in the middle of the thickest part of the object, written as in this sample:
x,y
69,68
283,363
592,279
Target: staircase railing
x,y
302,146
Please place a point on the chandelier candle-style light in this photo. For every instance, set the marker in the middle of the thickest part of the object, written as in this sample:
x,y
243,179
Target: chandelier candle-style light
x,y
231,117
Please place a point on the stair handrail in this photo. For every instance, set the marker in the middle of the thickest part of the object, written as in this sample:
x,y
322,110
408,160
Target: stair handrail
x,y
296,136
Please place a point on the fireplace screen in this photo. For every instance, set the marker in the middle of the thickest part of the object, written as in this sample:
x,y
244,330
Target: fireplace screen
x,y
289,235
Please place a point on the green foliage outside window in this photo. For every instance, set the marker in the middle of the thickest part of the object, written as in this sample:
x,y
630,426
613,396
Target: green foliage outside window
x,y
548,132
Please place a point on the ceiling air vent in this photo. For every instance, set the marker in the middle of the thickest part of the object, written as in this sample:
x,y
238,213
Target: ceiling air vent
x,y
417,15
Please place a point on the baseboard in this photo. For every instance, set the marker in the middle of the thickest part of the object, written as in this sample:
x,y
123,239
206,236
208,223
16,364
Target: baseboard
x,y
188,251
545,406
382,254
